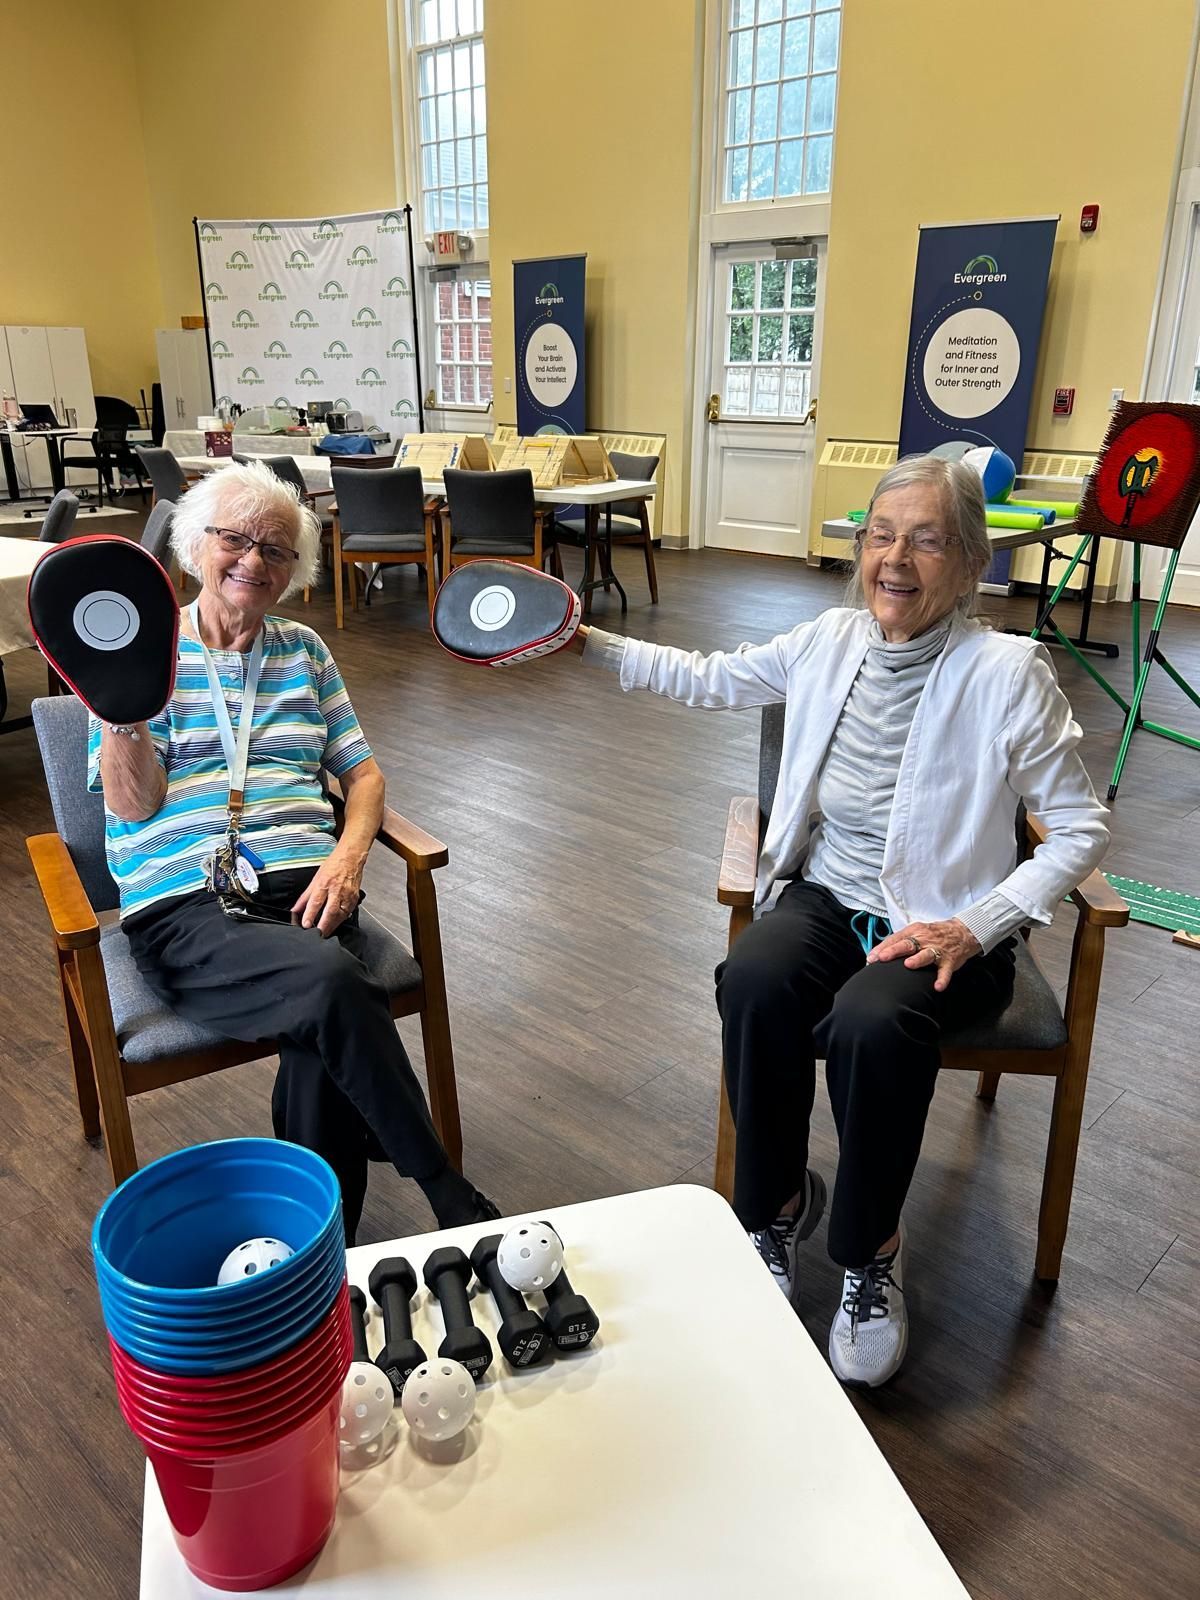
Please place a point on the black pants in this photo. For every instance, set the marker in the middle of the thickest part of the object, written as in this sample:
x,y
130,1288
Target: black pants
x,y
345,1085
796,986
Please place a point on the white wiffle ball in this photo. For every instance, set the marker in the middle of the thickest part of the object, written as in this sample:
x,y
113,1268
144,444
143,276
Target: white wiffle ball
x,y
367,1401
438,1399
530,1256
253,1257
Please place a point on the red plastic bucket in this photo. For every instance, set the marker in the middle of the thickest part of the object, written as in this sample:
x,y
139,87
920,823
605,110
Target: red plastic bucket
x,y
249,1520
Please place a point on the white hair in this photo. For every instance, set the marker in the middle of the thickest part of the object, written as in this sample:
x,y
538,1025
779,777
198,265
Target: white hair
x,y
251,498
961,491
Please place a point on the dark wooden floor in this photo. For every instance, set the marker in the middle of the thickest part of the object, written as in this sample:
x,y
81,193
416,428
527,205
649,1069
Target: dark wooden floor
x,y
1051,1442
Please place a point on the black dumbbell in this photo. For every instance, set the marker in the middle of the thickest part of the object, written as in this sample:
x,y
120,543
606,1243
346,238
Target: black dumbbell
x,y
393,1284
358,1322
447,1274
523,1338
570,1319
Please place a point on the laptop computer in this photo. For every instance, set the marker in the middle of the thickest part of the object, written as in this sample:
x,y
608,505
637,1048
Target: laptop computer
x,y
39,416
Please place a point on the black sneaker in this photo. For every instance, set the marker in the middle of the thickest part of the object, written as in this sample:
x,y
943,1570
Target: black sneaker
x,y
777,1243
485,1210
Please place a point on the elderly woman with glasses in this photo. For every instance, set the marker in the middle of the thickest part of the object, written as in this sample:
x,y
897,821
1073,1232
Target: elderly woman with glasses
x,y
238,899
911,735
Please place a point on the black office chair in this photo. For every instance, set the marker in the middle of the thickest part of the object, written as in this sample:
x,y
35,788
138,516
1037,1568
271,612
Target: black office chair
x,y
156,535
164,472
492,515
381,517
106,452
59,518
622,522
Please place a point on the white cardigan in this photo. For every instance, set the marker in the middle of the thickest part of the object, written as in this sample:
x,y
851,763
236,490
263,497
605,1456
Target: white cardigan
x,y
991,728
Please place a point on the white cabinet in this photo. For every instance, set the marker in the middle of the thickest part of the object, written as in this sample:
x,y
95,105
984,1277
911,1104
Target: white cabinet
x,y
184,375
48,367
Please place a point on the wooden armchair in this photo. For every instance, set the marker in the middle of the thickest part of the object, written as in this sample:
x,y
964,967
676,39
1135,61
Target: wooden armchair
x,y
1034,1035
122,1040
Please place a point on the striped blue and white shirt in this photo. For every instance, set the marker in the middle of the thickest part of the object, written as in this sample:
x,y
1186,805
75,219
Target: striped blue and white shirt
x,y
303,721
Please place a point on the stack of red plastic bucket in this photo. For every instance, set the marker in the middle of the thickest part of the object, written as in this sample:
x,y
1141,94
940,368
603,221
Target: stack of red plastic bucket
x,y
234,1390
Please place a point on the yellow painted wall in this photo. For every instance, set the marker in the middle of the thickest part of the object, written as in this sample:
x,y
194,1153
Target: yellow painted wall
x,y
952,112
592,139
76,244
255,109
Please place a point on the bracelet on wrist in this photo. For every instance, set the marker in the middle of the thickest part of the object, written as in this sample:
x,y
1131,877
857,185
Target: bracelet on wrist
x,y
127,729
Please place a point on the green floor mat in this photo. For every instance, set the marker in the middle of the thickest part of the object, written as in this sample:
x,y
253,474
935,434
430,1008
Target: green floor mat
x,y
1163,908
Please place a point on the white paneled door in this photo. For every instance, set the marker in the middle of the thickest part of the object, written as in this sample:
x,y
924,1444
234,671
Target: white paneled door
x,y
762,404
1184,385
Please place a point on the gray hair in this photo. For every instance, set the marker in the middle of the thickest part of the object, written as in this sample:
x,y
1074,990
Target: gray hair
x,y
961,490
251,497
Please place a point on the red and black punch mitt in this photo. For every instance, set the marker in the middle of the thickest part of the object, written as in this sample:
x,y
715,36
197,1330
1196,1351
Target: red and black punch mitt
x,y
499,613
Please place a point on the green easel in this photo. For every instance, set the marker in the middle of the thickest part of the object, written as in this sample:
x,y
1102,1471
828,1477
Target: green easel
x,y
1137,473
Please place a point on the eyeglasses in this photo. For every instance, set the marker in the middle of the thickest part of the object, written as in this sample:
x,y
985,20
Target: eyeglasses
x,y
925,542
237,544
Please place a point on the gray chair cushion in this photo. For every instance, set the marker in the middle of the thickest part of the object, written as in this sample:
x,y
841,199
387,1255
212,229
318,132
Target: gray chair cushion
x,y
384,542
1034,1020
60,722
576,527
491,547
147,1030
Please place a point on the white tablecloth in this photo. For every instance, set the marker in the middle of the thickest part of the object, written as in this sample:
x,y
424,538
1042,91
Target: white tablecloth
x,y
18,557
190,442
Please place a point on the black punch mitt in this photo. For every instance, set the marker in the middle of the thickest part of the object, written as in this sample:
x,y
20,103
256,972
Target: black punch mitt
x,y
105,616
499,613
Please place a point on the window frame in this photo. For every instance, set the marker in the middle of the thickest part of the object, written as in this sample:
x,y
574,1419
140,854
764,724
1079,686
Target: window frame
x,y
473,272
428,197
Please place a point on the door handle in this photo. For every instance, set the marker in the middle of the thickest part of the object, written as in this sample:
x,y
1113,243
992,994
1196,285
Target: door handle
x,y
811,414
714,408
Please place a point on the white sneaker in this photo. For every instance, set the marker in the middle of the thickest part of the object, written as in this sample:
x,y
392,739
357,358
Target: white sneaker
x,y
869,1337
777,1243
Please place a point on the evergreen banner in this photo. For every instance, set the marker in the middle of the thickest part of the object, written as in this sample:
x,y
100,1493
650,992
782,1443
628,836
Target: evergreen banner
x,y
321,309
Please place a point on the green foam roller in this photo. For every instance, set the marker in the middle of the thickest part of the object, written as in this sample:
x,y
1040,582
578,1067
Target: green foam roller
x,y
1022,521
856,516
1061,508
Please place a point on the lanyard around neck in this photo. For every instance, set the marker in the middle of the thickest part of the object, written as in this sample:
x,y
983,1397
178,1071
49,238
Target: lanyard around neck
x,y
237,751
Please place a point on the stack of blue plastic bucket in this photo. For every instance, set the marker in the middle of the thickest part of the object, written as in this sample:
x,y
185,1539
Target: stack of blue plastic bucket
x,y
234,1389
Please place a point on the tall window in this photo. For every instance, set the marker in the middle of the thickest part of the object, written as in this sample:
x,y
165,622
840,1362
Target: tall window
x,y
451,113
769,312
463,327
780,88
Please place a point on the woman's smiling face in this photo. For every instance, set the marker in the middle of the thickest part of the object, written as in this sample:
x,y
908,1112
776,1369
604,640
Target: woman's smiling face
x,y
909,590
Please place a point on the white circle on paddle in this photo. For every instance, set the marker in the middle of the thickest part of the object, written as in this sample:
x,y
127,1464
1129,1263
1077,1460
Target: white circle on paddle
x,y
493,607
106,620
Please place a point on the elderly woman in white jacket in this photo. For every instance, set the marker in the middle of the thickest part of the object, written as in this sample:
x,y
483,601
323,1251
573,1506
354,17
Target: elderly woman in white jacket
x,y
889,889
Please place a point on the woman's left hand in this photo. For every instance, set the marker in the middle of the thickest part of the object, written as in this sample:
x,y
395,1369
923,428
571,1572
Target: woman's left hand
x,y
944,945
332,894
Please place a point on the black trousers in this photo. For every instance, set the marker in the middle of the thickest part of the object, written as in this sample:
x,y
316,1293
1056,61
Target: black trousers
x,y
796,986
345,1086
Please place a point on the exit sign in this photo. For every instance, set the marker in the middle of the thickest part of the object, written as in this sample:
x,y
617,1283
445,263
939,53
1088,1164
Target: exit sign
x,y
445,246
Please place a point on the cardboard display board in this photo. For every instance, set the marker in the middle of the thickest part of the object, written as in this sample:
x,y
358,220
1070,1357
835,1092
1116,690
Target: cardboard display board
x,y
434,452
559,460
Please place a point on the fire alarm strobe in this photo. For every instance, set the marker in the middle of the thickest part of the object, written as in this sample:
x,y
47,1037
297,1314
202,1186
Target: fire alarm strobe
x,y
1088,218
1064,402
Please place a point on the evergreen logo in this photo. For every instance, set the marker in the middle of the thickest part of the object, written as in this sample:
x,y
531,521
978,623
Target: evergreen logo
x,y
549,296
271,291
213,291
309,378
391,222
370,379
298,261
266,230
249,375
337,352
239,261
224,400
304,319
341,404
401,351
396,289
277,351
403,408
366,318
326,230
333,291
981,269
209,235
282,400
360,256
220,350
245,319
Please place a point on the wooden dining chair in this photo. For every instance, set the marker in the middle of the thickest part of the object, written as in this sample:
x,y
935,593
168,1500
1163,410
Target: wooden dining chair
x,y
122,1040
1034,1035
491,516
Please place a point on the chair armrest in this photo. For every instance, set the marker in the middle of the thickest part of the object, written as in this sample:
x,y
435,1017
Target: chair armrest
x,y
739,858
1095,898
396,833
71,915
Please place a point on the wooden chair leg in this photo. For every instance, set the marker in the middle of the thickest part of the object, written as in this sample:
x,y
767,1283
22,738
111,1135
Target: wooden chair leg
x,y
986,1085
106,1061
81,1055
435,1017
648,550
1058,1180
726,1145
